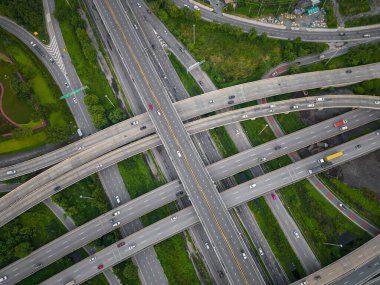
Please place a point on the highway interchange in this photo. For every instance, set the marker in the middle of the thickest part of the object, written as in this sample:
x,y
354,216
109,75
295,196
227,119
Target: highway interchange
x,y
240,94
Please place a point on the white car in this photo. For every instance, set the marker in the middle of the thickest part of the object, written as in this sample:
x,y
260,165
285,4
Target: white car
x,y
261,251
295,107
134,123
270,110
237,132
211,101
158,112
67,85
33,44
196,8
271,106
377,102
138,5
174,218
296,234
75,100
9,172
245,116
310,105
343,128
117,199
116,224
2,279
243,254
179,153
165,32
206,245
99,166
320,99
252,186
132,246
263,159
93,258
116,213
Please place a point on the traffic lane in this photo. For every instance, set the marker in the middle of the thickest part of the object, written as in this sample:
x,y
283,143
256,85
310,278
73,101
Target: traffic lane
x,y
125,151
199,105
242,188
162,103
94,229
150,235
147,203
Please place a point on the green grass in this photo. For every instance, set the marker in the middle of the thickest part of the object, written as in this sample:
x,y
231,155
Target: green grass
x,y
223,142
330,15
320,222
127,272
29,231
290,122
275,237
257,131
231,56
188,81
175,261
352,7
364,21
82,210
137,176
45,90
88,70
254,9
364,201
27,13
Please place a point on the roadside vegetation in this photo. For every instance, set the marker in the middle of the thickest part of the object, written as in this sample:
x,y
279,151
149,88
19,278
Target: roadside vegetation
x,y
84,58
92,204
223,141
363,21
364,201
188,81
320,222
29,14
231,55
352,7
28,85
127,272
276,238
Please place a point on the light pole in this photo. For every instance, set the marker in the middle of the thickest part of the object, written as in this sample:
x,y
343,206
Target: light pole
x,y
109,100
193,33
333,244
263,129
85,197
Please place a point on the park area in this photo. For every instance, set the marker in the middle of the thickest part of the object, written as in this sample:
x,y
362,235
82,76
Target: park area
x,y
31,114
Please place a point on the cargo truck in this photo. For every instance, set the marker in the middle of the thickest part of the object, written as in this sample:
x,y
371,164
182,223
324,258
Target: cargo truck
x,y
319,167
330,157
340,123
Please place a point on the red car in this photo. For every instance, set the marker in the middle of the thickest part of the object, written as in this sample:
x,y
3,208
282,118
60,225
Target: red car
x,y
100,266
120,244
274,196
150,106
340,123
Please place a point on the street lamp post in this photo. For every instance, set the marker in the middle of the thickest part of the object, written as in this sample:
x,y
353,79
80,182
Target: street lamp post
x,y
333,244
85,197
109,100
193,33
263,129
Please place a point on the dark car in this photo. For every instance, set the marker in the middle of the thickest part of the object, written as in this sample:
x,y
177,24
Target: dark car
x,y
230,102
221,274
231,97
200,83
142,128
277,147
100,266
150,106
358,146
348,71
56,188
179,194
120,244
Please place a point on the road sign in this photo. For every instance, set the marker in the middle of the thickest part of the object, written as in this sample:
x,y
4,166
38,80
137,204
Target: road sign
x,y
73,93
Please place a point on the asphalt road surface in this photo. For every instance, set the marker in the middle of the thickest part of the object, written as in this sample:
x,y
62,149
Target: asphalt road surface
x,y
235,196
166,193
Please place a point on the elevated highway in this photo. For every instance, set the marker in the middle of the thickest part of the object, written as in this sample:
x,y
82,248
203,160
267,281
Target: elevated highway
x,y
233,197
26,195
167,193
199,105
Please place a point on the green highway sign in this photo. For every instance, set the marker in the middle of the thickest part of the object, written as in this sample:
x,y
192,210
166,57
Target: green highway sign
x,y
72,93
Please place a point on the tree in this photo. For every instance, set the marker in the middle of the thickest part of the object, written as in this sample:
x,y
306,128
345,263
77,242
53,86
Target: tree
x,y
23,249
99,121
91,99
117,115
57,134
294,68
264,38
21,133
96,109
252,34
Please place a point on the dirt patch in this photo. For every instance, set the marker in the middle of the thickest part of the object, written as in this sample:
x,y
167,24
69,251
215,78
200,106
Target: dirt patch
x,y
363,172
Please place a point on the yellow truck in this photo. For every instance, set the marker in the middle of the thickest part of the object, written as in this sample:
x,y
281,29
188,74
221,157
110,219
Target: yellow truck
x,y
331,157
